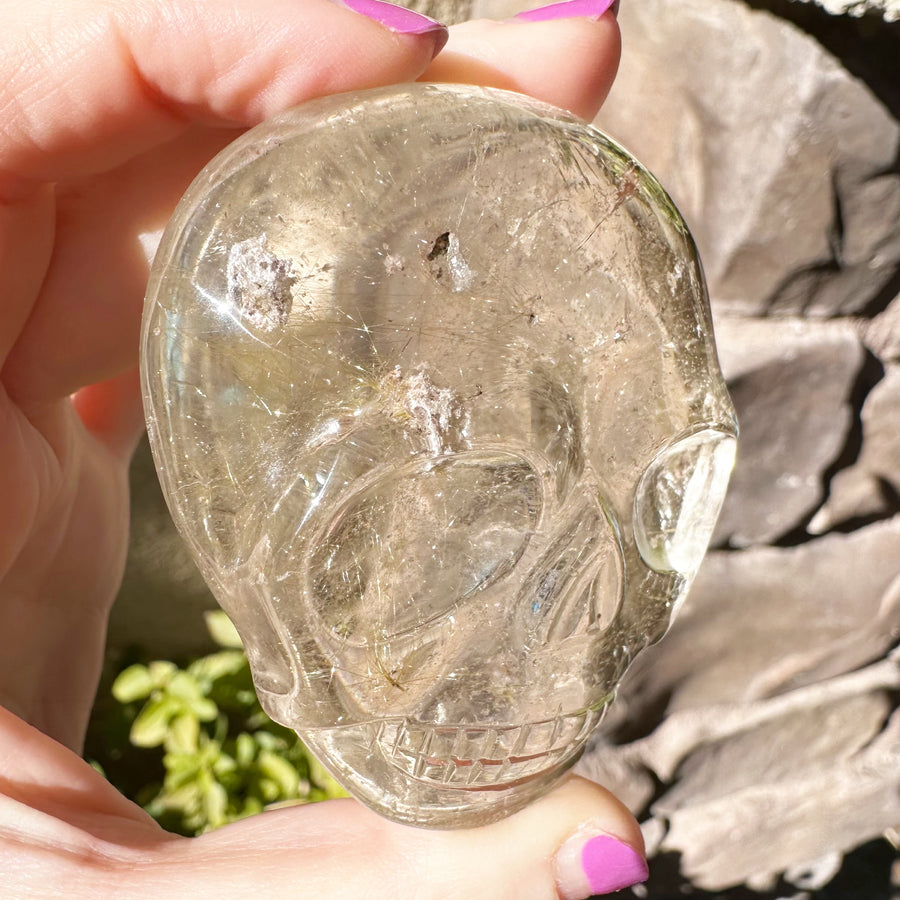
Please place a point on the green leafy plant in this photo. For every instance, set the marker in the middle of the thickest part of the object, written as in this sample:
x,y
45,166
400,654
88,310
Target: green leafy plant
x,y
222,757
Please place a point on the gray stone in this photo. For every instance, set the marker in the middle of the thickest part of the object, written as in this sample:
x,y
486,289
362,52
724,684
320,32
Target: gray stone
x,y
889,9
882,334
763,621
859,489
790,381
793,781
854,790
774,153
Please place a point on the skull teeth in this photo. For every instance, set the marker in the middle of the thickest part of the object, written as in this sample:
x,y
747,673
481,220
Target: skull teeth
x,y
477,757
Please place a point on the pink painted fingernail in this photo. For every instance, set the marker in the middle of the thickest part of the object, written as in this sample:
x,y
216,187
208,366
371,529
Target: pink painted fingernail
x,y
396,18
598,865
570,9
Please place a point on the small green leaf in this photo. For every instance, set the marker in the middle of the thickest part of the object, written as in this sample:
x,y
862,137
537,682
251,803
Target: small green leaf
x,y
222,630
269,741
181,769
218,665
161,670
184,732
134,683
269,790
280,771
215,801
185,688
204,709
223,765
151,726
244,749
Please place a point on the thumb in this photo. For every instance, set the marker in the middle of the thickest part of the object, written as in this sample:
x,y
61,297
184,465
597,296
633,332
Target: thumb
x,y
578,841
575,842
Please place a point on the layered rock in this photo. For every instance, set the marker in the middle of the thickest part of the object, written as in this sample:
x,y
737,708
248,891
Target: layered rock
x,y
760,739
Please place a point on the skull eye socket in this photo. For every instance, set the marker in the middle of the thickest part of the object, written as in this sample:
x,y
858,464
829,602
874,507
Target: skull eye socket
x,y
407,549
678,500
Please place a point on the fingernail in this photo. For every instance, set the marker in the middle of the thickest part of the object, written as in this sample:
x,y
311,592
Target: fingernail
x,y
598,865
570,9
396,18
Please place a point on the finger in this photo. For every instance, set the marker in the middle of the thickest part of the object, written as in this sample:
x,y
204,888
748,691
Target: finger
x,y
99,88
91,295
65,798
569,62
26,244
86,89
111,411
69,825
577,841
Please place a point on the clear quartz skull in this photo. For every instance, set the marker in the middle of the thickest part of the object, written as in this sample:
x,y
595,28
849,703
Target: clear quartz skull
x,y
432,390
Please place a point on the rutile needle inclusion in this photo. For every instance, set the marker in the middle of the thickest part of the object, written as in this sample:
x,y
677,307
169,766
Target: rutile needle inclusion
x,y
431,386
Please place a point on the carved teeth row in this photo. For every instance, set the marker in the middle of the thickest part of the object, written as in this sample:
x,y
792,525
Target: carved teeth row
x,y
464,756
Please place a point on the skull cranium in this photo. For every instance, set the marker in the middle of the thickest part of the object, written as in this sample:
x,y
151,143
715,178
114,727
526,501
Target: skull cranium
x,y
432,389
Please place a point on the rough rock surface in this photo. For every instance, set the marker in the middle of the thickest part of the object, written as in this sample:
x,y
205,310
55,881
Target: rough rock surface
x,y
777,165
791,383
882,334
890,9
760,739
872,483
771,619
767,787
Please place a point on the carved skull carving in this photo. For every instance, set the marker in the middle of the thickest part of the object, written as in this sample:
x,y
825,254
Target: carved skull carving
x,y
432,390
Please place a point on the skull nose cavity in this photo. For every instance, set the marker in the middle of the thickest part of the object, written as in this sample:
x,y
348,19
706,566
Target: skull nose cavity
x,y
403,551
578,581
678,500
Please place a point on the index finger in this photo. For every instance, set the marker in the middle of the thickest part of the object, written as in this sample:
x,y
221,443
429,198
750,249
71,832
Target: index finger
x,y
87,85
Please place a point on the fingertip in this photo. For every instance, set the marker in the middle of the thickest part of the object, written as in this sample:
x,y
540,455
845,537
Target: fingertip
x,y
569,62
401,20
603,850
577,841
97,89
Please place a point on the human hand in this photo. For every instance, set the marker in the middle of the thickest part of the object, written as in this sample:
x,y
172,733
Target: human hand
x,y
109,109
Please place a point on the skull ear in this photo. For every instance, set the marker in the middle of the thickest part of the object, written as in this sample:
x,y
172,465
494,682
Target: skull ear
x,y
678,500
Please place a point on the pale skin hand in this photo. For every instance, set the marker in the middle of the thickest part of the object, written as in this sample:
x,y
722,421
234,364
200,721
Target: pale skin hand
x,y
109,108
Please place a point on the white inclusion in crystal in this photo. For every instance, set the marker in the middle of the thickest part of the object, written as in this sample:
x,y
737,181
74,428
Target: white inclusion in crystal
x,y
447,264
461,276
393,263
431,409
259,283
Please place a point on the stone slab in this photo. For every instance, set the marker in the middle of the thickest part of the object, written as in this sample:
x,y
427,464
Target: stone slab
x,y
791,382
774,153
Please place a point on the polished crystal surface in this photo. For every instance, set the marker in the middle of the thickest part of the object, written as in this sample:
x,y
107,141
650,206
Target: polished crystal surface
x,y
431,386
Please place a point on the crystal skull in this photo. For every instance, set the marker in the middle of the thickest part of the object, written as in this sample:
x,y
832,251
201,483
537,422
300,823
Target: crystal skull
x,y
432,390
